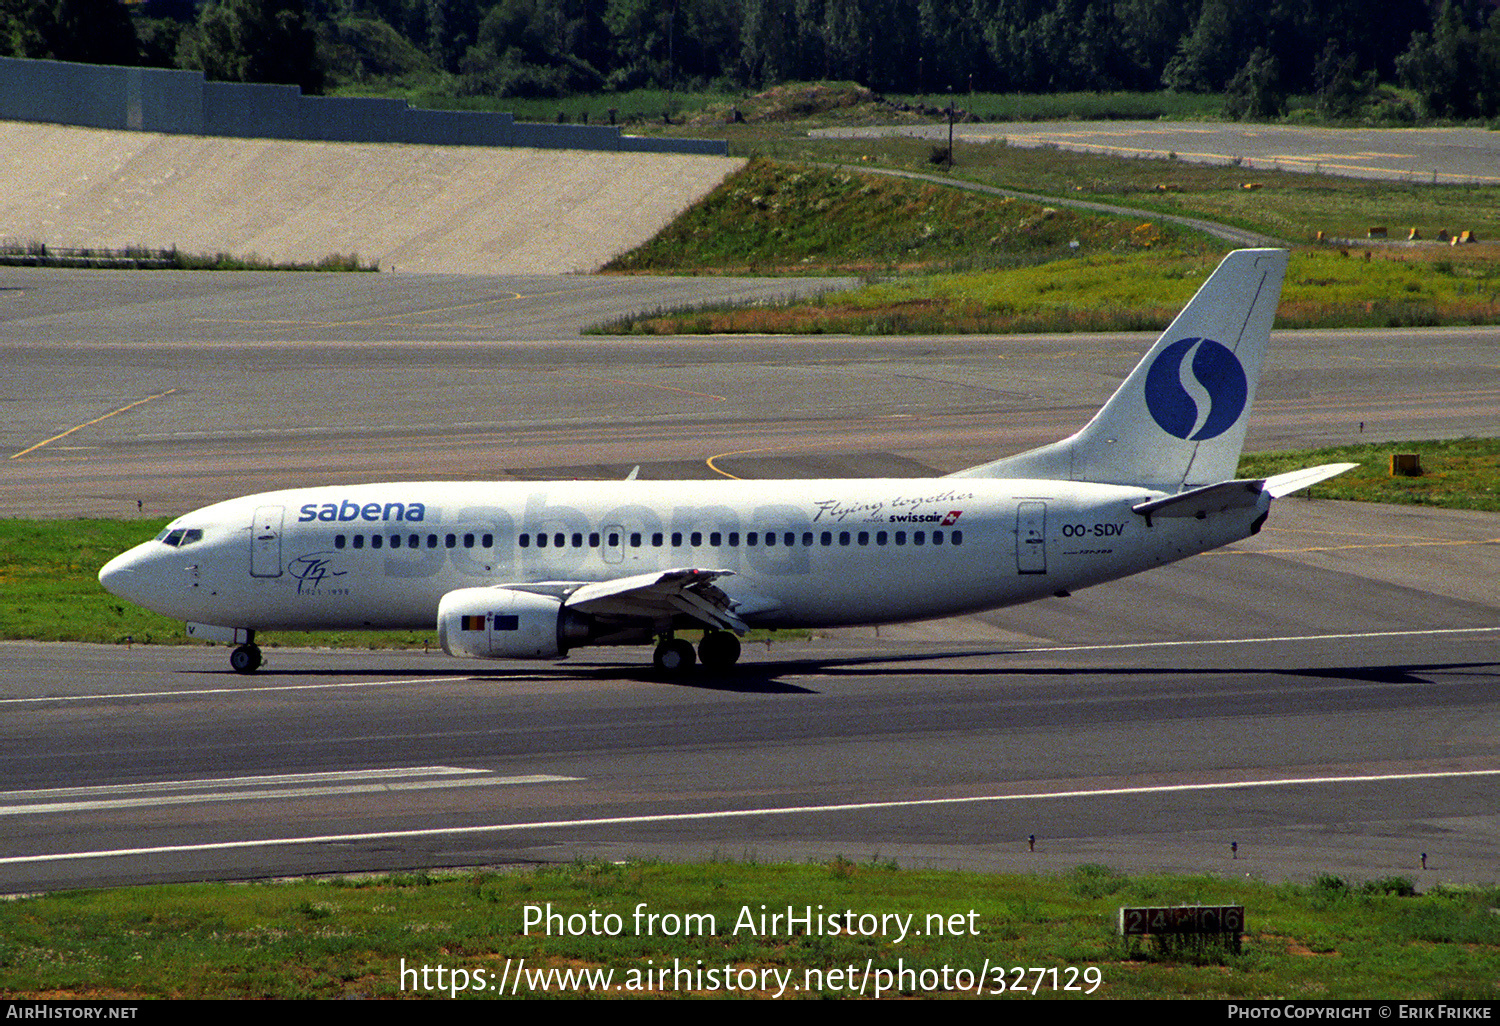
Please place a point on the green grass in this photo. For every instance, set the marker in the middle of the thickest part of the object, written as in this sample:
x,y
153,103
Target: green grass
x,y
49,591
771,218
1142,287
49,588
1289,205
634,109
1111,106
1461,473
348,938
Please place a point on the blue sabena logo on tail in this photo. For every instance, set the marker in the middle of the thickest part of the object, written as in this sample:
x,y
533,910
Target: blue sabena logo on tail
x,y
1175,386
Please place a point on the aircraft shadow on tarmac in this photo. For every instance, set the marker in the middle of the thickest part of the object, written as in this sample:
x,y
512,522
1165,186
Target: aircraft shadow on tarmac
x,y
765,677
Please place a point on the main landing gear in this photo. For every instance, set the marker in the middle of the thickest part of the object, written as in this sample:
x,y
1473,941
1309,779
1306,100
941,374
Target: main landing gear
x,y
245,658
719,650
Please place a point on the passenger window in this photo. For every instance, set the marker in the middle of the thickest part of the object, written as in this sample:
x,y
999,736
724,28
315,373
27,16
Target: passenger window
x,y
468,541
375,540
864,537
697,539
937,537
338,541
714,539
958,538
359,541
657,539
635,539
826,538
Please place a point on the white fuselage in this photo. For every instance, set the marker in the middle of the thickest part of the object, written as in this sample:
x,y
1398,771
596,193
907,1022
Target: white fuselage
x,y
802,553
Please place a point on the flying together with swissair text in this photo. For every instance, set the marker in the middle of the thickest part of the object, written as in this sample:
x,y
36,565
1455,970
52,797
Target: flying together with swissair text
x,y
533,570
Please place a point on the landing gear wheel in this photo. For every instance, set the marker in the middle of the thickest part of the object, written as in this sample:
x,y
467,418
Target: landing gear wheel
x,y
245,659
674,656
719,650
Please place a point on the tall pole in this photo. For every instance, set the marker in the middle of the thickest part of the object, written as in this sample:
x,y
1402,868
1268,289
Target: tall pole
x,y
950,128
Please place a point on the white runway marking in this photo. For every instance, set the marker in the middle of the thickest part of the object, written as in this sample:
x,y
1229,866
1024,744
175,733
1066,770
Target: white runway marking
x,y
682,817
246,690
1261,641
236,789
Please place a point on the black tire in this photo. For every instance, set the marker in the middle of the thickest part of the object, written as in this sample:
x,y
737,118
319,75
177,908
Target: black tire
x,y
245,659
675,656
719,650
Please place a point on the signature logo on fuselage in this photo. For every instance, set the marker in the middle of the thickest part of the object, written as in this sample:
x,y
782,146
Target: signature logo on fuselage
x,y
312,570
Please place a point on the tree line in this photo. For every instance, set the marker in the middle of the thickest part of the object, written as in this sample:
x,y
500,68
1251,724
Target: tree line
x,y
1257,52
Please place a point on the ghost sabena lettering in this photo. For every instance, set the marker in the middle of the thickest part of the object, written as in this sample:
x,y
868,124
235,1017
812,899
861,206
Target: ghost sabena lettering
x,y
373,511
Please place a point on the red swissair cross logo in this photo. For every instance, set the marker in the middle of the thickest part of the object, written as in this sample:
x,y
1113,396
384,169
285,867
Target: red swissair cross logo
x,y
951,517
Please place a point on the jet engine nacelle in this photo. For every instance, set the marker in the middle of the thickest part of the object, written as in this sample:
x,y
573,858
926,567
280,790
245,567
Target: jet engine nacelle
x,y
503,623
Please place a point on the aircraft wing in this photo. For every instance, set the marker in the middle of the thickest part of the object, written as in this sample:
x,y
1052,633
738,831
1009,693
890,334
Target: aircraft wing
x,y
661,595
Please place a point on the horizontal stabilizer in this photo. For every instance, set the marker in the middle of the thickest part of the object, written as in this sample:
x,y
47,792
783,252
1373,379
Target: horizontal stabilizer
x,y
1239,494
1200,502
1296,480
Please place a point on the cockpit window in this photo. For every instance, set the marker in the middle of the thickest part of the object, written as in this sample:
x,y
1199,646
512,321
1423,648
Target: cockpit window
x,y
178,537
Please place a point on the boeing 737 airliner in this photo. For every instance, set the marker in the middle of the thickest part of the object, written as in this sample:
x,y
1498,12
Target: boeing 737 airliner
x,y
532,570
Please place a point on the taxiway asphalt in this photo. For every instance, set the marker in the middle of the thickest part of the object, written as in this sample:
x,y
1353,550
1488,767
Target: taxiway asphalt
x,y
1321,695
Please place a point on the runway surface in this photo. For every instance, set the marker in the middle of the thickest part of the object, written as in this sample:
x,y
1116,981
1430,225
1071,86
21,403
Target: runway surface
x,y
1436,155
1321,695
177,390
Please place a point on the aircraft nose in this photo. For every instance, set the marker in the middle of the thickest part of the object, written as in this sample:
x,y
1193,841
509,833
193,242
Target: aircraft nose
x,y
121,577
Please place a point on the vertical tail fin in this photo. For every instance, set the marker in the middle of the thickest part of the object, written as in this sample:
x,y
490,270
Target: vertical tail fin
x,y
1178,421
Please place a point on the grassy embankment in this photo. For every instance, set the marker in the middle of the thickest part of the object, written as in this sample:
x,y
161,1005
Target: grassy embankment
x,y
990,265
341,938
49,589
959,262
